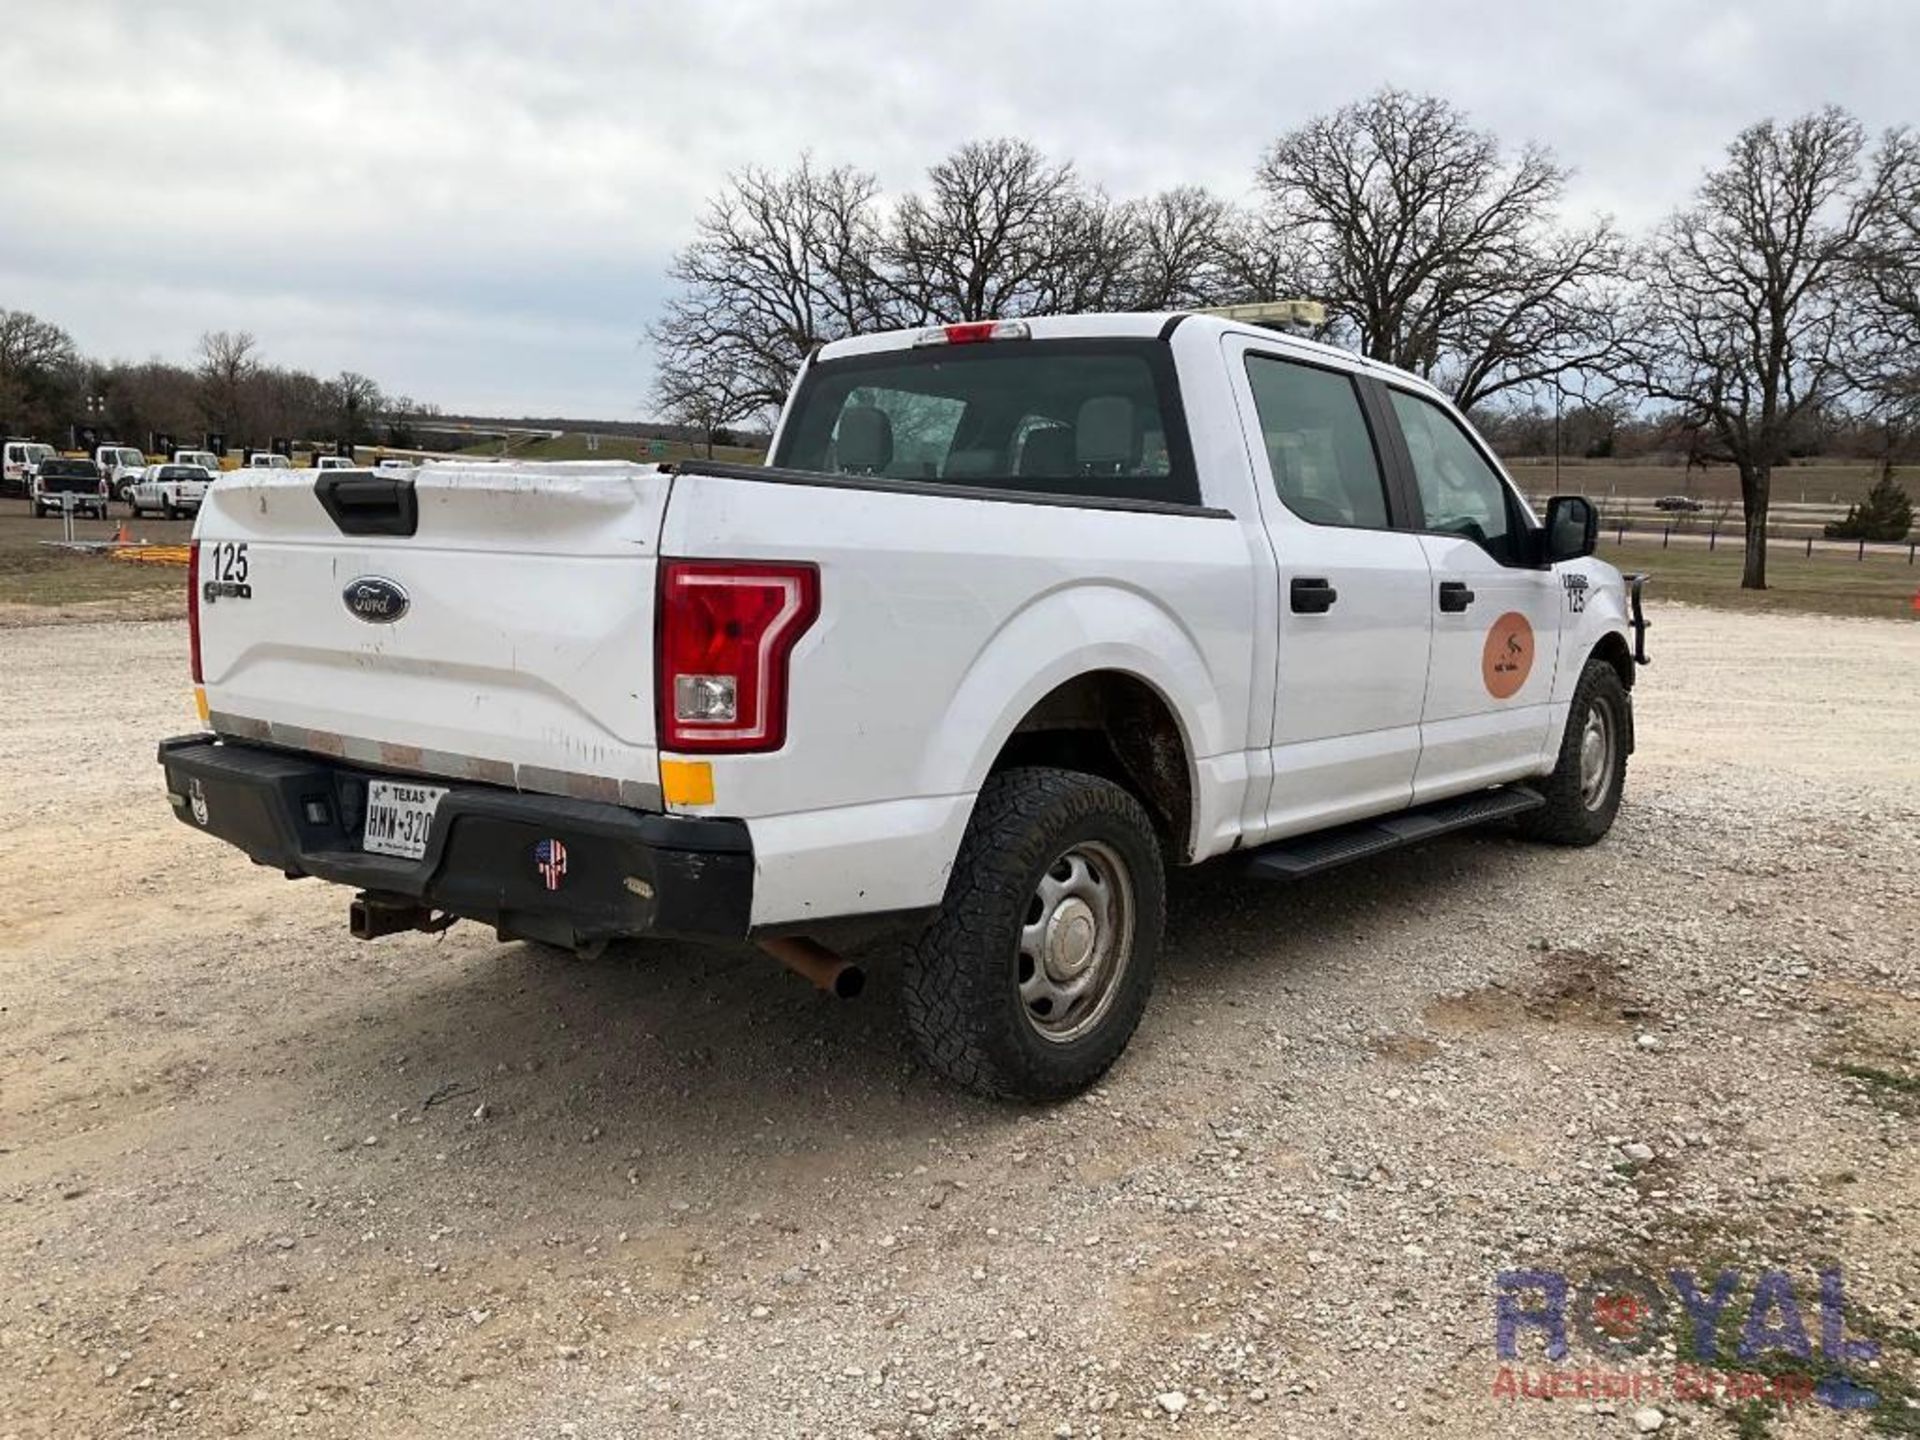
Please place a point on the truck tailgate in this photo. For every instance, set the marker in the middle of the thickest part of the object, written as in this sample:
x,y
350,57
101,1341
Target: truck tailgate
x,y
508,639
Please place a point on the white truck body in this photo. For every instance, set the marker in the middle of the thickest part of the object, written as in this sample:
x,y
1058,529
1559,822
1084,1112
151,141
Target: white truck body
x,y
19,460
122,465
205,459
1309,671
170,489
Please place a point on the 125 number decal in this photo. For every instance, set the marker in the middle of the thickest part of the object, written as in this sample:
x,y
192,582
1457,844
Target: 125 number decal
x,y
227,561
223,571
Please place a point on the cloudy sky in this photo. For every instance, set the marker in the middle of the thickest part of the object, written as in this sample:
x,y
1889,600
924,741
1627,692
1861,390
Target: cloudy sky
x,y
476,202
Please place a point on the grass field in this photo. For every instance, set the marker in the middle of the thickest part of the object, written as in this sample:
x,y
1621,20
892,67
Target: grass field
x,y
1825,584
41,576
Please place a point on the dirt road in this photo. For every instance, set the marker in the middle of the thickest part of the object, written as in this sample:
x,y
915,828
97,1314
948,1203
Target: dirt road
x,y
256,1178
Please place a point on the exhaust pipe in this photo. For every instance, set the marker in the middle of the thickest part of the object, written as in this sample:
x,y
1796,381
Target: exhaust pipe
x,y
373,914
812,961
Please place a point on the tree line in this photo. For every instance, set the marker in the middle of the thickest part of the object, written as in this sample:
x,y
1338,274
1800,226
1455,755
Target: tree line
x,y
1779,304
49,390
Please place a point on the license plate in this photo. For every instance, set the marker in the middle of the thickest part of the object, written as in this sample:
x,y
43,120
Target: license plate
x,y
399,818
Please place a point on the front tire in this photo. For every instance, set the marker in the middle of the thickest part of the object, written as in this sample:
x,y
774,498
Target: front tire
x,y
1032,978
1583,792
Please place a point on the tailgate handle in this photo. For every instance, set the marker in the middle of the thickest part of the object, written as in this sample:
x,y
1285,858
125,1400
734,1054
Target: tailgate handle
x,y
360,503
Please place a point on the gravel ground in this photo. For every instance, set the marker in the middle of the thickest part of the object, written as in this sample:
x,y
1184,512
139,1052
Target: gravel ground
x,y
257,1178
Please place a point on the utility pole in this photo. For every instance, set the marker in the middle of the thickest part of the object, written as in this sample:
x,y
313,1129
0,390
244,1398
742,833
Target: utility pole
x,y
1557,398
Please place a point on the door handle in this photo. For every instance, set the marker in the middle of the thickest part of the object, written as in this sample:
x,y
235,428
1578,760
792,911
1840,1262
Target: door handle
x,y
1454,596
1312,597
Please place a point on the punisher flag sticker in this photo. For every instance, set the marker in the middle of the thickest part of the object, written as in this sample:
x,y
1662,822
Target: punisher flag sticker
x,y
1507,656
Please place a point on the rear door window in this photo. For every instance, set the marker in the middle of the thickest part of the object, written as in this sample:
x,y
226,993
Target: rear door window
x,y
1318,445
1071,418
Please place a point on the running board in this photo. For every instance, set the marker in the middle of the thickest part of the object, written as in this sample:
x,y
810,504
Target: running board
x,y
1306,855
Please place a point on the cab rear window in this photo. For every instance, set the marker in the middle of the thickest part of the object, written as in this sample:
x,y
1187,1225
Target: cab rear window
x,y
1099,419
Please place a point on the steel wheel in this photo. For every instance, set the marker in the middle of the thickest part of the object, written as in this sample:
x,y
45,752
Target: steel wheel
x,y
1076,942
1596,757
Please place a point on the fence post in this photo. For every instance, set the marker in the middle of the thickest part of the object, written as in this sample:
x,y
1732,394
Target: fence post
x,y
1713,539
1863,549
1620,535
1910,549
1809,547
1665,536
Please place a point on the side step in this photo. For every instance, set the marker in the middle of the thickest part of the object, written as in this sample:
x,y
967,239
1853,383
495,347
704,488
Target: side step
x,y
1306,855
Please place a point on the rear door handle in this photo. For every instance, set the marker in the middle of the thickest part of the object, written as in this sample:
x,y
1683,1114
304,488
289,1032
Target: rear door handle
x,y
1454,596
1312,596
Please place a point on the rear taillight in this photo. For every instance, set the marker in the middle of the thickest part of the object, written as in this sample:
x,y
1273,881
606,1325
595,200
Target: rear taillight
x,y
193,610
726,629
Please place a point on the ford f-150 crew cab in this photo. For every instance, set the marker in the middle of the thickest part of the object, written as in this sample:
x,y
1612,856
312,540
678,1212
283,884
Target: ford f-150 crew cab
x,y
1018,615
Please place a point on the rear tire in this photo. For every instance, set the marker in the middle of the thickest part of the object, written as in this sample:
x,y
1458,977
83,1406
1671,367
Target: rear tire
x,y
1583,792
1032,978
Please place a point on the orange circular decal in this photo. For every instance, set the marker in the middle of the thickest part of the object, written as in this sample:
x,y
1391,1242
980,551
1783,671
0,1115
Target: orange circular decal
x,y
1507,656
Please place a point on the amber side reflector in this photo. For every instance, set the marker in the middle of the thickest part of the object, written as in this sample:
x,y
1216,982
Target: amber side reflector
x,y
687,782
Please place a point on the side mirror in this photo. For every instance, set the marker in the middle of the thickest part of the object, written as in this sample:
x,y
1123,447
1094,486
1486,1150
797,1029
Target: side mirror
x,y
1573,528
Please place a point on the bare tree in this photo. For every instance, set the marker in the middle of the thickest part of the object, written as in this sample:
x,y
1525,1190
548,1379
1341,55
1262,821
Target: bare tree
x,y
1885,361
1003,231
1745,297
38,367
227,364
356,400
1181,250
700,390
779,265
29,344
1432,250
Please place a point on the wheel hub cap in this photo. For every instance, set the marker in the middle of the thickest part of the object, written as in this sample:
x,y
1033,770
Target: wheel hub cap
x,y
1596,758
1076,941
1071,932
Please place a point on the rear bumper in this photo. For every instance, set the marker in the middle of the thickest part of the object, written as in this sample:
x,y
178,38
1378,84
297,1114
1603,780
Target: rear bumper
x,y
626,872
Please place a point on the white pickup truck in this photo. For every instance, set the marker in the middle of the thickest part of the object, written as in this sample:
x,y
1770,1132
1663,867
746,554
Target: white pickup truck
x,y
205,459
1019,614
172,490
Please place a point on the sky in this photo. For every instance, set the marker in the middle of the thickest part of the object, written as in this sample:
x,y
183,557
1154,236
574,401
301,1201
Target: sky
x,y
476,203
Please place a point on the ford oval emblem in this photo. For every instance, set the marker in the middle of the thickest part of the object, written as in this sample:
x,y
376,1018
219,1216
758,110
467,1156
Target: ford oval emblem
x,y
375,600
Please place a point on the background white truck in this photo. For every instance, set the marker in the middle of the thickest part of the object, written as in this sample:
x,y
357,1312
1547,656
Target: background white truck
x,y
1019,614
122,465
169,490
19,459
